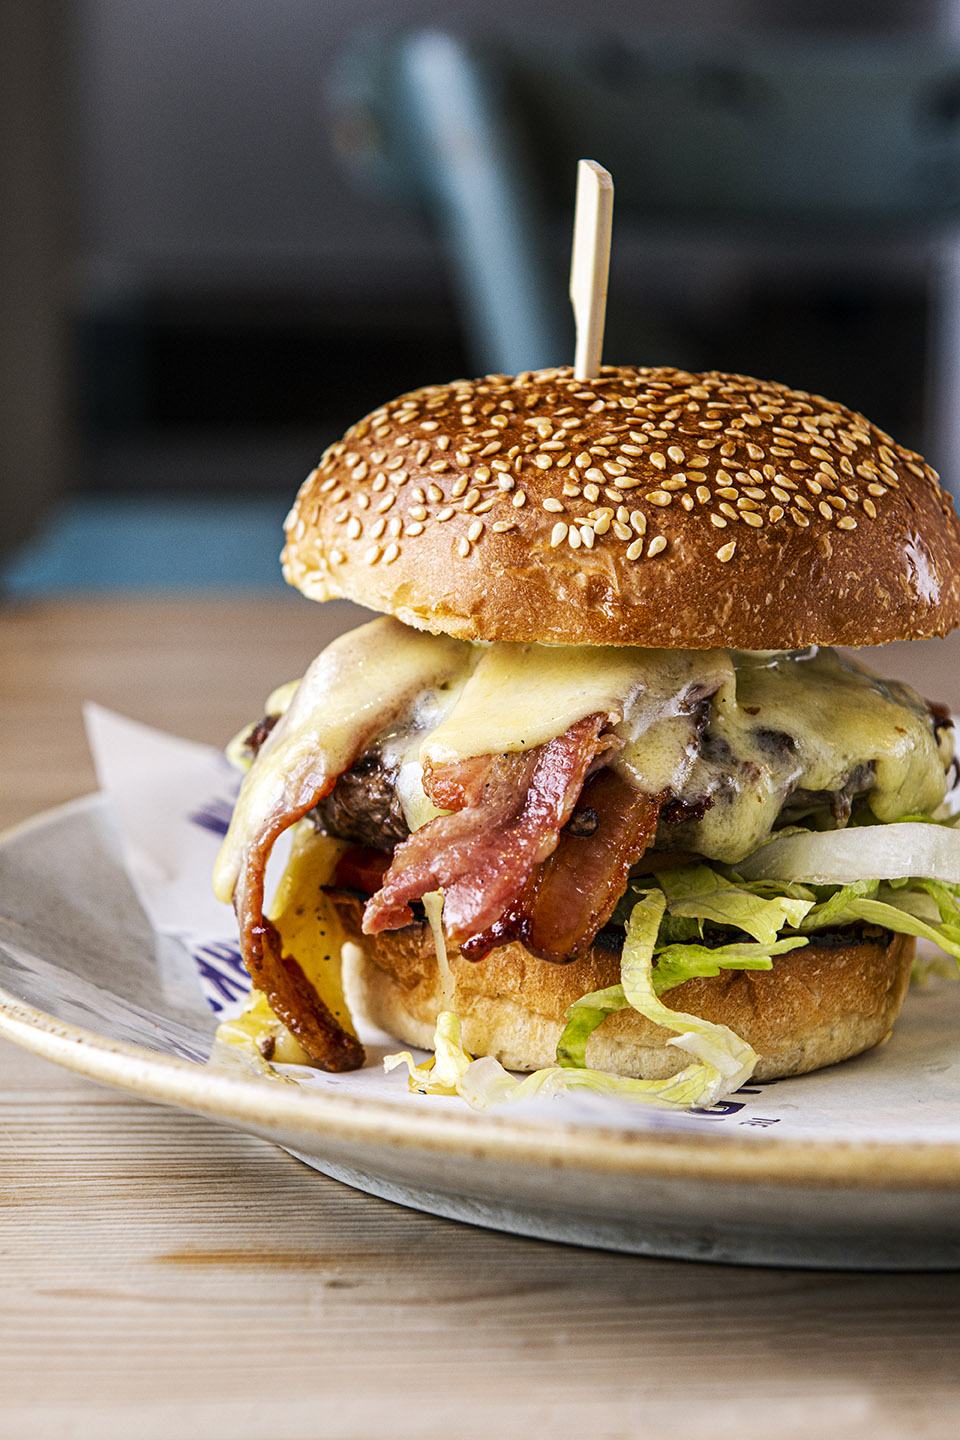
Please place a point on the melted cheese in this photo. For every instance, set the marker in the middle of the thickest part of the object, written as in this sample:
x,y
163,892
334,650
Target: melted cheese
x,y
350,694
777,723
807,721
519,696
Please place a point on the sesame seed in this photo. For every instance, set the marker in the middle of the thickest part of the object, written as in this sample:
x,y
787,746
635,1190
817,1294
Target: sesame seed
x,y
703,494
586,536
846,522
746,504
591,492
656,459
542,461
755,493
870,508
825,510
602,525
727,510
726,552
506,482
481,474
463,547
729,493
552,504
492,448
573,538
487,505
377,529
558,534
659,497
391,553
415,529
755,452
675,454
798,518
780,494
519,498
359,472
371,556
354,528
719,521
597,476
752,518
657,544
418,512
621,531
635,550
437,467
385,504
475,530
776,514
639,521
686,501
446,513
502,526
627,482
434,493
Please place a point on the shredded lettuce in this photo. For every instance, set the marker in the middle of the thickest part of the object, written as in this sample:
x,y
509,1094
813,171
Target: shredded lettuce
x,y
722,1061
883,852
792,887
699,893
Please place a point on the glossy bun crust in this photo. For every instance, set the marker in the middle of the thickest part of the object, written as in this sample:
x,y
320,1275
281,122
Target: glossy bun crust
x,y
648,507
818,1005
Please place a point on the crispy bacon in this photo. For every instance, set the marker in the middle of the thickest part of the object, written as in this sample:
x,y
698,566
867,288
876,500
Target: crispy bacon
x,y
572,895
585,876
291,995
512,808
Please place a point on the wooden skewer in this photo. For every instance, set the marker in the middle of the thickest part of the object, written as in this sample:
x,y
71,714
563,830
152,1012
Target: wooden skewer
x,y
590,264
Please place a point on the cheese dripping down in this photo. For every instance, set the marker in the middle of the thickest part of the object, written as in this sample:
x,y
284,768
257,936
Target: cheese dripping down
x,y
734,733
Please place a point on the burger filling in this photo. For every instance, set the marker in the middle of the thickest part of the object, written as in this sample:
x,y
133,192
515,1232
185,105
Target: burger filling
x,y
551,794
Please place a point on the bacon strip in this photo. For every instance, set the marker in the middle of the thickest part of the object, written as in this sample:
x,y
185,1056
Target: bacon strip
x,y
511,809
291,995
572,895
585,876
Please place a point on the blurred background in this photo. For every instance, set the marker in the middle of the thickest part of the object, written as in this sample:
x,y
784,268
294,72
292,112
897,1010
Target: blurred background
x,y
229,228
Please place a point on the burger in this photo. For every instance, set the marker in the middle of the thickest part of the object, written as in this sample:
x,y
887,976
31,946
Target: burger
x,y
597,798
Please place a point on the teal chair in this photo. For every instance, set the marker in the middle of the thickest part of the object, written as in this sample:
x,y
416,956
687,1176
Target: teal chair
x,y
833,140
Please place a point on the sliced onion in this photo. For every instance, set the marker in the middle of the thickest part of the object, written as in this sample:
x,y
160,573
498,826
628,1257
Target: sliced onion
x,y
864,852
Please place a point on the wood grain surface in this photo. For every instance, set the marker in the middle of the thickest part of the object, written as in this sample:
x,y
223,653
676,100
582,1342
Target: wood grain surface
x,y
163,1277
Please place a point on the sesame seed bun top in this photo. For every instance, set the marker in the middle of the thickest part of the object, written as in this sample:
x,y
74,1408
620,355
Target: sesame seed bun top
x,y
646,507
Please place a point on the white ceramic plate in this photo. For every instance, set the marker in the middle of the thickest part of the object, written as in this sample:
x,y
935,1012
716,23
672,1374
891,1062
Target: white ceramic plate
x,y
855,1167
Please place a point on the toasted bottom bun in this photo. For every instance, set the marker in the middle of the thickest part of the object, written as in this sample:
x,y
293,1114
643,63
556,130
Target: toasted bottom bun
x,y
818,1004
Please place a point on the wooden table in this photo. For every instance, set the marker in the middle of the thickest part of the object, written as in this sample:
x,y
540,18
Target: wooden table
x,y
163,1277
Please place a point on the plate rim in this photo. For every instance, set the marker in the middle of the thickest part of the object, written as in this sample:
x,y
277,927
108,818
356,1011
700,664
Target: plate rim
x,y
263,1104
